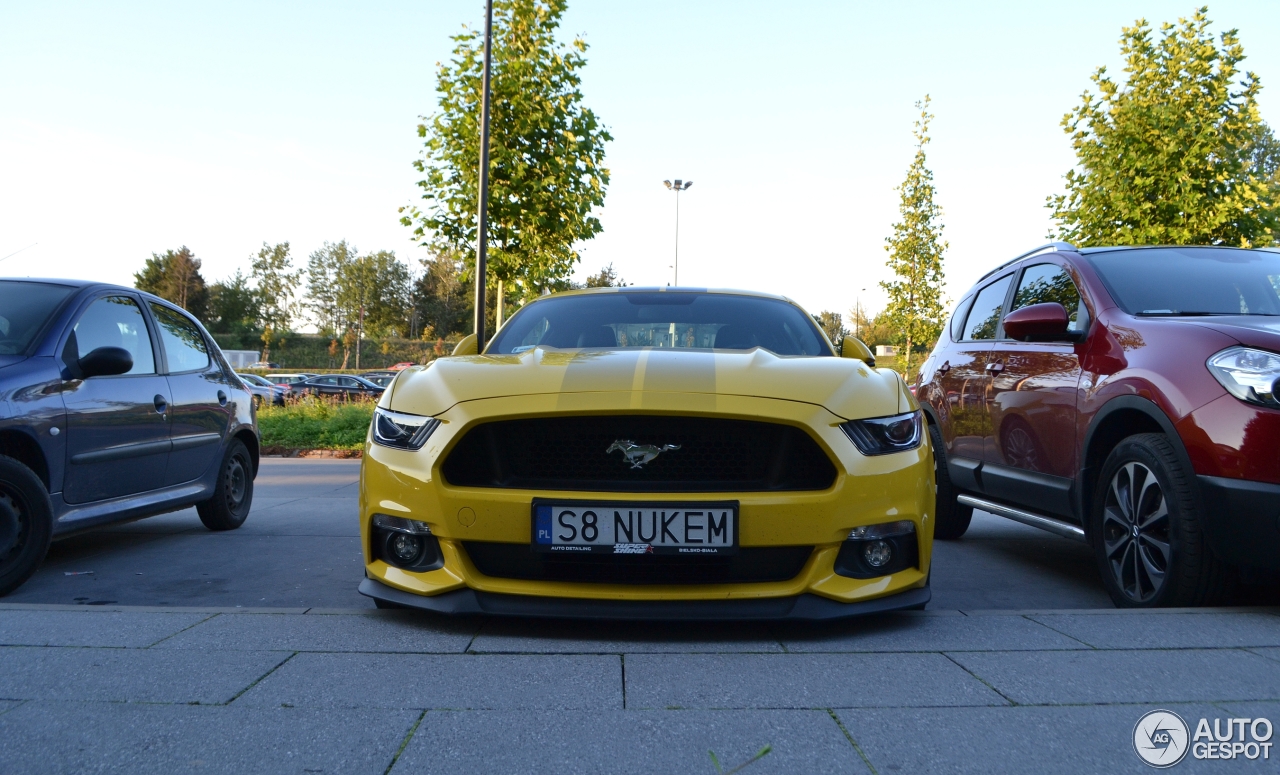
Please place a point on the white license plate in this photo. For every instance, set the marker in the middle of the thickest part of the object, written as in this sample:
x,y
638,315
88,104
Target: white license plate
x,y
690,529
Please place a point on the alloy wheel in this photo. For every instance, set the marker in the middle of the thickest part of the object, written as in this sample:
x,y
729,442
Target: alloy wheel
x,y
1020,450
1135,532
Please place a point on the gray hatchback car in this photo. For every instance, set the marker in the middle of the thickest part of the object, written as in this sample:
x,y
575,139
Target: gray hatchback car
x,y
114,405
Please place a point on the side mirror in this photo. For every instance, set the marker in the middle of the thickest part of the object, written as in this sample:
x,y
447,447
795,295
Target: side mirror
x,y
467,346
105,362
854,348
1043,322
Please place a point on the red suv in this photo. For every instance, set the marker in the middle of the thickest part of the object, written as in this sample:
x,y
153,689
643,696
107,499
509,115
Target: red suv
x,y
1128,397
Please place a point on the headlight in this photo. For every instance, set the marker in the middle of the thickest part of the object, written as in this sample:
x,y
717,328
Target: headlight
x,y
402,431
1248,374
882,435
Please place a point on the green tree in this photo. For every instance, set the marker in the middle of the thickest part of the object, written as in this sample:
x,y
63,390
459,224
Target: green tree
x,y
372,293
277,285
323,269
1178,154
915,253
233,307
607,277
546,151
443,301
175,276
833,325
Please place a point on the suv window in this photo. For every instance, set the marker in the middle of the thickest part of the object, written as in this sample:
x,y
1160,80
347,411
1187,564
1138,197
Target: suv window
x,y
984,316
958,318
1042,283
116,321
184,347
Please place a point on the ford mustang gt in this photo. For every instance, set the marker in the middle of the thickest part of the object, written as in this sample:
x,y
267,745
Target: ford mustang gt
x,y
650,454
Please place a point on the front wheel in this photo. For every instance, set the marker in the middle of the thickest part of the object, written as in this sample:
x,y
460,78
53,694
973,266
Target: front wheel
x,y
233,495
1147,530
26,523
952,519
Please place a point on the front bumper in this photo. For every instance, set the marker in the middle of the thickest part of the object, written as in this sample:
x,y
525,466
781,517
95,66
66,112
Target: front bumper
x,y
807,607
867,491
1243,523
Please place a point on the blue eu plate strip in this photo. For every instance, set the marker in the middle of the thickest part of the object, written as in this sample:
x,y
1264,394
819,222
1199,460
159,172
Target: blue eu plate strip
x,y
542,525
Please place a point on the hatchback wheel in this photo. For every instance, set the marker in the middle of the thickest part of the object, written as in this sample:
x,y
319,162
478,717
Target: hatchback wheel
x,y
952,519
26,523
233,495
1147,531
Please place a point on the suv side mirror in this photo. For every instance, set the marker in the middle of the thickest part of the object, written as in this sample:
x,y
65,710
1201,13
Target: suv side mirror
x,y
854,348
105,362
1043,322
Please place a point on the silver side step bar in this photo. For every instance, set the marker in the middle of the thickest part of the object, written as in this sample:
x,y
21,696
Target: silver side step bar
x,y
1055,526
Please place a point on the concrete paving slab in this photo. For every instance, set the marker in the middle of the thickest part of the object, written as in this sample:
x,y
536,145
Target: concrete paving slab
x,y
1014,740
6,706
714,681
126,738
452,682
898,632
1269,653
400,632
527,636
89,627
1068,677
1172,631
620,742
130,675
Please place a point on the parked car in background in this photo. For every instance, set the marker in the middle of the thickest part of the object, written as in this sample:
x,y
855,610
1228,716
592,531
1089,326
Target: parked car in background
x,y
380,378
114,405
342,386
263,365
1129,397
263,390
290,381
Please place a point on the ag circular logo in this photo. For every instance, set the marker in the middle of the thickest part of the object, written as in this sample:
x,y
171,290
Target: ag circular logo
x,y
1160,738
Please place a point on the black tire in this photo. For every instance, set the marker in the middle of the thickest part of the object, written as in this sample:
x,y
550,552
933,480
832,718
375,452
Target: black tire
x,y
26,523
952,519
233,495
1147,530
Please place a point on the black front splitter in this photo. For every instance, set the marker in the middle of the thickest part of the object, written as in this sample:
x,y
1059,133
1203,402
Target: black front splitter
x,y
802,607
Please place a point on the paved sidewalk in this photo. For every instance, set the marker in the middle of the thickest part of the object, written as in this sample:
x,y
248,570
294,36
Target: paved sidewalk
x,y
167,690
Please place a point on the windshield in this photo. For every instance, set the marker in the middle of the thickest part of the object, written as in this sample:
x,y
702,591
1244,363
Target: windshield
x,y
24,309
672,319
1192,281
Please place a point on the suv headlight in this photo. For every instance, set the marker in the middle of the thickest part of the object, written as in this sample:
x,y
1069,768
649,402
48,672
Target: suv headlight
x,y
1248,374
402,431
882,435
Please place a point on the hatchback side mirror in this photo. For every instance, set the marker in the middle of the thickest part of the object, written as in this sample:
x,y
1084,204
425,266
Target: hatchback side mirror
x,y
1043,322
105,362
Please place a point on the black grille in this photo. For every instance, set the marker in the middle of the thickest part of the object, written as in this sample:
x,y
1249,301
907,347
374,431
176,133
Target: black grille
x,y
568,453
751,563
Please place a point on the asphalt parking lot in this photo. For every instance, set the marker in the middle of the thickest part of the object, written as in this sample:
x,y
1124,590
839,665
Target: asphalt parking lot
x,y
300,548
161,647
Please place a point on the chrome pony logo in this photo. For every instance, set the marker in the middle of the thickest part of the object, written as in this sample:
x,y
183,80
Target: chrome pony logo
x,y
639,454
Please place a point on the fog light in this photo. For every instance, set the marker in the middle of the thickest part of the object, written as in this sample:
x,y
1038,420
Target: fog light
x,y
405,548
877,553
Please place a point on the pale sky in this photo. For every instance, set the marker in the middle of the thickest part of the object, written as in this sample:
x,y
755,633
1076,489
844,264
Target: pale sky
x,y
131,128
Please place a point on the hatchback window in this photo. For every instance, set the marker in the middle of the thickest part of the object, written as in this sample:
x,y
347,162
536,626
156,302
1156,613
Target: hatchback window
x,y
1191,280
1044,283
348,382
671,319
184,347
984,316
24,310
116,321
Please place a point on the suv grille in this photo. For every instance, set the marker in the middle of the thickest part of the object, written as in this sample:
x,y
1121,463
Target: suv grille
x,y
568,453
751,563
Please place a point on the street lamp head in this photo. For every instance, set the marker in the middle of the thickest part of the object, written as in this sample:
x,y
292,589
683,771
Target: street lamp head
x,y
666,183
690,183
679,183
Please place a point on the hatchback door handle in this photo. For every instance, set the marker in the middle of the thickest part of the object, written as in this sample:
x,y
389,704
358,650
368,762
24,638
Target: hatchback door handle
x,y
222,398
161,404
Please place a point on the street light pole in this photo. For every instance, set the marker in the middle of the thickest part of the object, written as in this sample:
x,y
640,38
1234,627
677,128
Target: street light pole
x,y
482,233
678,186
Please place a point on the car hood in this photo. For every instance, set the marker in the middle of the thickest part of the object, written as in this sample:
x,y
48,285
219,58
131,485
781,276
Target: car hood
x,y
846,387
1251,330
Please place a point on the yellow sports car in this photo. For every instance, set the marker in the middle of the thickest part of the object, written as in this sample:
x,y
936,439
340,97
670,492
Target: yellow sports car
x,y
659,453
